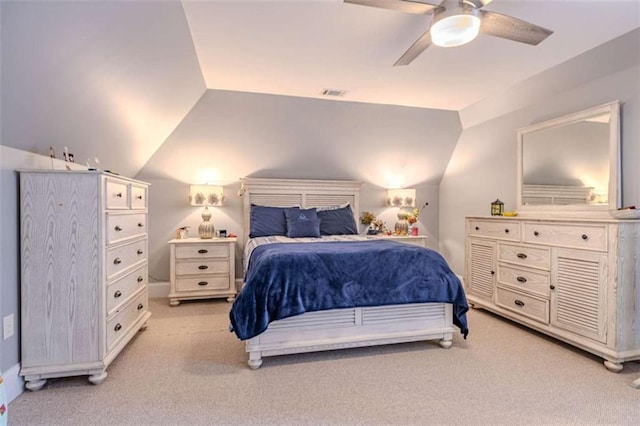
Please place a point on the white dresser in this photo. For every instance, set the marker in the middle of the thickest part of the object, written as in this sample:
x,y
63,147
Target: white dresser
x,y
576,280
202,269
84,271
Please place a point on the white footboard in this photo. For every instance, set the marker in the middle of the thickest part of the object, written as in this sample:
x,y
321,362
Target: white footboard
x,y
353,327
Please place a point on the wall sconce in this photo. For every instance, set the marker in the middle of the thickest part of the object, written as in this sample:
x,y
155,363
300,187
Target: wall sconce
x,y
402,197
206,195
497,208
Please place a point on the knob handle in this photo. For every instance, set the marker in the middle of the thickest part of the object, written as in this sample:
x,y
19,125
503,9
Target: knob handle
x,y
522,256
117,261
140,279
118,327
140,306
119,195
552,287
139,251
521,279
536,233
203,251
203,283
203,267
493,272
519,302
506,231
117,294
140,225
477,228
139,197
117,228
585,237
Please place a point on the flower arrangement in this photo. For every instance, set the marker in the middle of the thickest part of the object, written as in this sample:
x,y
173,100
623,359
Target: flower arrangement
x,y
414,215
376,226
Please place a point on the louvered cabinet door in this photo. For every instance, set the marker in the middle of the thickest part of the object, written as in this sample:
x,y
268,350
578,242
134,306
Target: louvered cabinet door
x,y
578,292
481,267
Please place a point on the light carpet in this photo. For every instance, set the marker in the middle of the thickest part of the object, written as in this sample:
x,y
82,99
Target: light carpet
x,y
187,369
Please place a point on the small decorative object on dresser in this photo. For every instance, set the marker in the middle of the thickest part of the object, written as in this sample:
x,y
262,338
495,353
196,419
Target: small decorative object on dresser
x,y
497,208
202,269
84,271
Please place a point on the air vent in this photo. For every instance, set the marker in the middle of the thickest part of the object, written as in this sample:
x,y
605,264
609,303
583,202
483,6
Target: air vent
x,y
333,92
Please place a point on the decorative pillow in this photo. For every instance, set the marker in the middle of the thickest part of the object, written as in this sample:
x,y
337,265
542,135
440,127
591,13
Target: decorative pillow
x,y
338,221
302,222
266,221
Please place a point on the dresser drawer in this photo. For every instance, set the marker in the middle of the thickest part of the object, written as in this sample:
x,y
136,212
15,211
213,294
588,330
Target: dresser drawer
x,y
123,226
194,251
203,283
116,195
138,197
535,257
202,267
123,320
121,290
581,236
499,229
525,279
524,305
121,258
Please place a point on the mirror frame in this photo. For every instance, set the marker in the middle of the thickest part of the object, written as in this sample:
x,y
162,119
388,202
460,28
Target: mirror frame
x,y
614,195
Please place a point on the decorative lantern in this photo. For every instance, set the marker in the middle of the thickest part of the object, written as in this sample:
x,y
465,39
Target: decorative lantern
x,y
497,208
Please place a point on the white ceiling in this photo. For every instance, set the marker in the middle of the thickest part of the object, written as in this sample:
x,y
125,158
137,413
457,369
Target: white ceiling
x,y
300,47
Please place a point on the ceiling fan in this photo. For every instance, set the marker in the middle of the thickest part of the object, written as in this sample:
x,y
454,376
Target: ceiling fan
x,y
456,22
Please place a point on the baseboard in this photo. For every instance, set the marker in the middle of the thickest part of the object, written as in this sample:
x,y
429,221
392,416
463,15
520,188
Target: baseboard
x,y
13,382
158,289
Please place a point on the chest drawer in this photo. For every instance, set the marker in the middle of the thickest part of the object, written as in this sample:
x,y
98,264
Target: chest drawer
x,y
195,251
528,306
123,226
119,259
120,291
499,229
535,257
203,283
202,267
138,197
593,237
121,322
525,279
116,195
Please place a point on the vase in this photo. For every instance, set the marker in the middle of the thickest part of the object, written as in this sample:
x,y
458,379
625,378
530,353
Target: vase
x,y
206,229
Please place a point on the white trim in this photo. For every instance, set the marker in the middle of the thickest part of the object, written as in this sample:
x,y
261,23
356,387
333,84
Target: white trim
x,y
14,383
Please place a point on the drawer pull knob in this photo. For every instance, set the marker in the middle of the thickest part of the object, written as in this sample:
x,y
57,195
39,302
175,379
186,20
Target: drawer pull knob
x,y
552,287
585,237
521,279
506,231
117,228
536,233
140,225
493,272
139,197
140,306
203,267
139,251
140,279
203,251
519,302
119,195
117,261
203,283
522,256
117,294
477,228
118,327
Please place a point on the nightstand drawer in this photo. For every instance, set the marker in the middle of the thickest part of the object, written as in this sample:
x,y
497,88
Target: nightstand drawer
x,y
203,283
537,309
194,251
200,267
525,279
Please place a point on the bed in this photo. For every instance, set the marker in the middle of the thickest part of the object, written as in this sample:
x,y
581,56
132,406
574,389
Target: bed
x,y
278,312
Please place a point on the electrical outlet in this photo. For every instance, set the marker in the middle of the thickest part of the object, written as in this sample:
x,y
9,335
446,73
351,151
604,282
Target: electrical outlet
x,y
7,324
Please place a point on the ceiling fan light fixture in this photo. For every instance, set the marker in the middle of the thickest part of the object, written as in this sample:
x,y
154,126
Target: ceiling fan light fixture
x,y
455,30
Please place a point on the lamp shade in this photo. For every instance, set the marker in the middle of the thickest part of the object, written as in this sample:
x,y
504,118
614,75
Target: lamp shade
x,y
206,195
455,30
402,197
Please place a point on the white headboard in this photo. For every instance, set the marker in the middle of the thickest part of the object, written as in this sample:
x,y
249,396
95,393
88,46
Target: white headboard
x,y
297,192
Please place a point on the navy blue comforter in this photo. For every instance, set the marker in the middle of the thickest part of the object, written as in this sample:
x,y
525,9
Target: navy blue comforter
x,y
287,279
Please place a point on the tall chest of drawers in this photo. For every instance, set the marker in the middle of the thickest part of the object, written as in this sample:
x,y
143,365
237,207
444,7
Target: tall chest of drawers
x,y
575,280
83,271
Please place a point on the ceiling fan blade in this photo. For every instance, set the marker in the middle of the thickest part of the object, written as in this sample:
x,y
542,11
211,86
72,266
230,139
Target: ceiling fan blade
x,y
504,26
417,48
477,3
407,6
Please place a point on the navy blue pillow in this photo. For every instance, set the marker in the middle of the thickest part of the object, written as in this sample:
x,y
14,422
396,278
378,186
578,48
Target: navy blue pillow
x,y
302,222
337,222
266,221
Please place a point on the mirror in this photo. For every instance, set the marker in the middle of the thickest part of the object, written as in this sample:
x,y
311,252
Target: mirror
x,y
571,163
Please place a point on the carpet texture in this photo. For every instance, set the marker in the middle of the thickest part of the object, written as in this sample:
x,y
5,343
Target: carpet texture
x,y
187,369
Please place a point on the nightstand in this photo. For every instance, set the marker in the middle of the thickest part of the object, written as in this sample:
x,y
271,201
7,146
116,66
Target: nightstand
x,y
416,240
202,269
